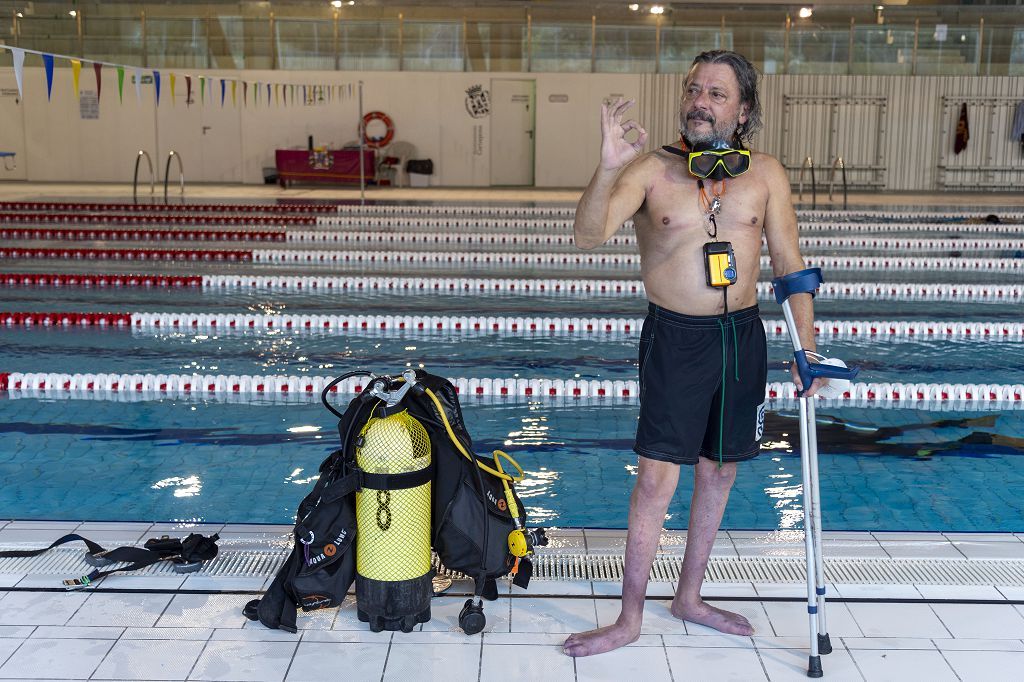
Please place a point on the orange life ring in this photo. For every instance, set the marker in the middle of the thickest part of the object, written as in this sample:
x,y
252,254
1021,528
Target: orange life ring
x,y
378,142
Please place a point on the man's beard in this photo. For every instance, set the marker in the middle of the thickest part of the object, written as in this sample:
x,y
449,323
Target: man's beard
x,y
719,132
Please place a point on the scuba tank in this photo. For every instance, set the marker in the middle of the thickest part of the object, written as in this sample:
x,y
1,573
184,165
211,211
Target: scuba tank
x,y
393,560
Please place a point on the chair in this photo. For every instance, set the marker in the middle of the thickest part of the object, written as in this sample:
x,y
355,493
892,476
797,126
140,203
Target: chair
x,y
393,161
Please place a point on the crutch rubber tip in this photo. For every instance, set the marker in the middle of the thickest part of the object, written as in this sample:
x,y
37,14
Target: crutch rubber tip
x,y
814,666
824,644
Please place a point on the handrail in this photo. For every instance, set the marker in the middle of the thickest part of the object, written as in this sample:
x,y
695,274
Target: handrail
x,y
808,163
167,173
135,180
838,163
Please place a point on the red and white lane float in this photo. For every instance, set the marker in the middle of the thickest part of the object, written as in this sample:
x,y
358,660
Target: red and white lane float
x,y
569,211
112,386
320,257
435,259
140,235
186,209
21,218
174,255
597,327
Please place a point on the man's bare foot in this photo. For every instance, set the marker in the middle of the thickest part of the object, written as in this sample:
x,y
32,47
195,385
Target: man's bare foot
x,y
703,613
600,640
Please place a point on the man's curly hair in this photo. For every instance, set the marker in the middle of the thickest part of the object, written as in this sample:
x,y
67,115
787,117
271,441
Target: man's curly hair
x,y
747,77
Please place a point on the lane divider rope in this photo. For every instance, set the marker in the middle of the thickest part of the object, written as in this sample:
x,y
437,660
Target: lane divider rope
x,y
599,327
564,227
609,260
569,211
377,209
952,292
334,258
166,208
134,219
234,255
141,235
1011,395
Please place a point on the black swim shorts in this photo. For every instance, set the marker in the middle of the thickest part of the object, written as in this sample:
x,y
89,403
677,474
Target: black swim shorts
x,y
689,407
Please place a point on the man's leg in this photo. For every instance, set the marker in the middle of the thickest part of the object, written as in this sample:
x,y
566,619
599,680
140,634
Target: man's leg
x,y
710,493
655,484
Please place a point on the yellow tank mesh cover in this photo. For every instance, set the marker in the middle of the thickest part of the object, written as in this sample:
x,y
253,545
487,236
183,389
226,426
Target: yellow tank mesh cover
x,y
393,538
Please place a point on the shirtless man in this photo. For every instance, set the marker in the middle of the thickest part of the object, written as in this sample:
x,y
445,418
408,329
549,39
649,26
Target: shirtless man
x,y
684,416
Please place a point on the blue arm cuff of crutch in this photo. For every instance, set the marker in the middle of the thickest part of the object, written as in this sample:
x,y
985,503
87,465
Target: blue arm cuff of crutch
x,y
799,282
819,590
812,610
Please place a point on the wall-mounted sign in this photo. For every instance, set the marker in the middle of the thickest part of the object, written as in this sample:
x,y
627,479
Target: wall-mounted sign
x,y
558,99
89,104
478,101
147,79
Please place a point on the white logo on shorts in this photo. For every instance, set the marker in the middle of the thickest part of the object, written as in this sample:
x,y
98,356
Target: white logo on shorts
x,y
759,427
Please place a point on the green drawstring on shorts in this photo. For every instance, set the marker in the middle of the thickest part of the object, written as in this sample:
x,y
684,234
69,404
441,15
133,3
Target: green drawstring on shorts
x,y
736,370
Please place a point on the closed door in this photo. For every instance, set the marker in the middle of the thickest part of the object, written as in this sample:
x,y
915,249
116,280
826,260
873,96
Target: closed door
x,y
513,105
12,135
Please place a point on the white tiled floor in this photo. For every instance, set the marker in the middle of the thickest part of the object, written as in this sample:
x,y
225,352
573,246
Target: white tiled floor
x,y
164,633
205,637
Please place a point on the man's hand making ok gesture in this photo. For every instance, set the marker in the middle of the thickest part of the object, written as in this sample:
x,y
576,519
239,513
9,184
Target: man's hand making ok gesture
x,y
616,152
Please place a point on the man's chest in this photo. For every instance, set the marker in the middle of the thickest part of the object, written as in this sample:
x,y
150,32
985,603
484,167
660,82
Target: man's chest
x,y
683,210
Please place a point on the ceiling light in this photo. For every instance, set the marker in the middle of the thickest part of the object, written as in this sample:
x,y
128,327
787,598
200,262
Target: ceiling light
x,y
20,15
351,2
73,13
806,12
657,9
634,7
336,3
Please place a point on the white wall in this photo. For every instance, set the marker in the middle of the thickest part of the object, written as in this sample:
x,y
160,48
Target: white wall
x,y
428,109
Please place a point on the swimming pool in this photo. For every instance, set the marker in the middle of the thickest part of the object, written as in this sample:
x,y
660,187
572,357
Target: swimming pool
x,y
251,460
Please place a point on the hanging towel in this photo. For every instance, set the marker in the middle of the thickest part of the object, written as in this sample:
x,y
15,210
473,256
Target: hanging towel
x,y
1017,132
963,131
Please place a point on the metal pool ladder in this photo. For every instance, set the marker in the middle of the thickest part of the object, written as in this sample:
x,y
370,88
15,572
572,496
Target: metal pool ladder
x,y
837,165
135,180
808,164
167,174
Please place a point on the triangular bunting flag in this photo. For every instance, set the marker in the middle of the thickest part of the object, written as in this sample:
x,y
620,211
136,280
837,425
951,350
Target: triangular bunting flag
x,y
188,90
48,67
19,69
156,83
173,78
245,92
268,94
277,94
202,89
120,83
97,68
234,88
223,87
76,74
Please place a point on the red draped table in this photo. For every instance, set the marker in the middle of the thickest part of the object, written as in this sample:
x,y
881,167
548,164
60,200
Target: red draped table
x,y
337,166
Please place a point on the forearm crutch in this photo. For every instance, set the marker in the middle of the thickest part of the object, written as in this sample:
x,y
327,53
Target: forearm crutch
x,y
807,282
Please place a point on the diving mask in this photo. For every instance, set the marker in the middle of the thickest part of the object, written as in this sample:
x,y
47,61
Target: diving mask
x,y
716,160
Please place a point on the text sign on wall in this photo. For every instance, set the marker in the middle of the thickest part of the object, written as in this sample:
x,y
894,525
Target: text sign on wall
x,y
89,104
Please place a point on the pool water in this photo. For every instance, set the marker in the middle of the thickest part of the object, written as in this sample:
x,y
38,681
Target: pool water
x,y
164,460
251,462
